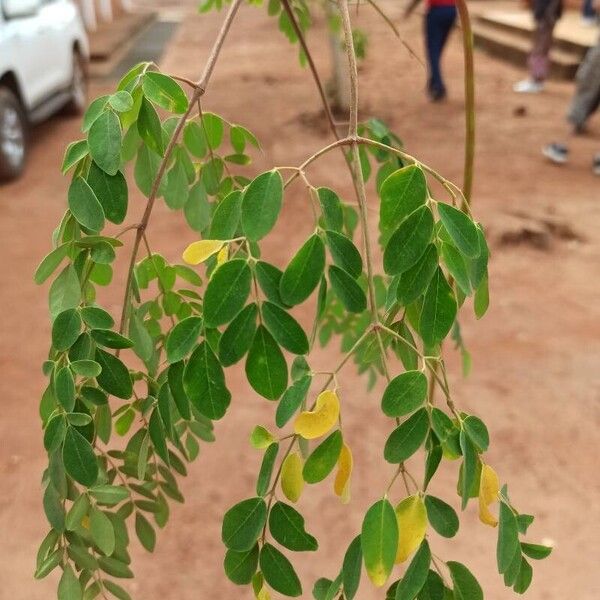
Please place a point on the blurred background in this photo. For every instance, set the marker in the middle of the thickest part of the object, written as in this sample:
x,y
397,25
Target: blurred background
x,y
535,379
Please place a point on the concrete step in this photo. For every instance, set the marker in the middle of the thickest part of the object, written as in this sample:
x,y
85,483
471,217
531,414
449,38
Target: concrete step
x,y
515,47
523,26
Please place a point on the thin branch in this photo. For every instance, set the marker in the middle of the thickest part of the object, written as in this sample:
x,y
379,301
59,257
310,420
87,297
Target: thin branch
x,y
198,92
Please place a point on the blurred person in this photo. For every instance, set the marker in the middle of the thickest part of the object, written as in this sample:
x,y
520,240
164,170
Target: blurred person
x,y
584,103
589,15
546,13
439,21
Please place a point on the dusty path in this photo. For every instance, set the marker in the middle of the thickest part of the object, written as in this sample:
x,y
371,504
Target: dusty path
x,y
536,354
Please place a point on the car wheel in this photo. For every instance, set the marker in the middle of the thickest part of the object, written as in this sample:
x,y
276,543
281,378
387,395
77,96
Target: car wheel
x,y
13,136
78,102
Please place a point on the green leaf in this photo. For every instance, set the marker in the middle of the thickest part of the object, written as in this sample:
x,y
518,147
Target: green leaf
x,y
96,318
331,207
524,578
441,424
470,469
347,289
65,291
323,458
64,388
536,551
266,368
379,541
227,292
78,419
439,310
241,566
204,383
158,435
404,394
261,205
442,516
237,338
409,242
243,523
111,339
109,494
54,433
291,400
466,586
477,431
111,192
50,262
79,458
65,329
145,532
69,587
104,141
114,378
115,567
177,186
478,266
93,111
84,205
194,139
461,229
402,192
284,328
407,438
121,101
344,253
414,282
116,590
416,574
278,572
182,338
269,278
73,154
286,525
351,568
212,126
266,470
508,538
304,272
226,218
78,510
456,267
149,127
165,92
102,532
482,298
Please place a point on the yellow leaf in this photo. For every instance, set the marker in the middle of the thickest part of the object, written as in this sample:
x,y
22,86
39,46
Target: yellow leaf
x,y
489,488
292,482
312,424
223,255
341,485
411,515
263,594
198,252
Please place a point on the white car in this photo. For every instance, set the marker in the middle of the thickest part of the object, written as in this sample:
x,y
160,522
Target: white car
x,y
43,55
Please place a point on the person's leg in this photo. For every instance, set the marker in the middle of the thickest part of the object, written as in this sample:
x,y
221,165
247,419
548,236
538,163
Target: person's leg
x,y
434,49
587,91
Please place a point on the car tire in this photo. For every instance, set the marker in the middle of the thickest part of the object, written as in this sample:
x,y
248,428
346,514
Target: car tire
x,y
13,135
78,89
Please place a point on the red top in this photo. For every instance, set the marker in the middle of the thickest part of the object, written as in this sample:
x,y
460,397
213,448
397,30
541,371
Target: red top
x,y
441,2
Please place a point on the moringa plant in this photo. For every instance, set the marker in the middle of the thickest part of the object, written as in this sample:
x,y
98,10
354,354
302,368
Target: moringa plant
x,y
129,402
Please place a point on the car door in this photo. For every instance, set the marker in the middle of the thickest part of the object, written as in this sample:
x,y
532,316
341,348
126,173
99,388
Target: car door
x,y
29,44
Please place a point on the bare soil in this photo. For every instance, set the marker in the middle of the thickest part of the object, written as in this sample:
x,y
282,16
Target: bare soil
x,y
535,379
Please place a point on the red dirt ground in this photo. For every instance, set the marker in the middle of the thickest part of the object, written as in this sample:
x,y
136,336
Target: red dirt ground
x,y
535,379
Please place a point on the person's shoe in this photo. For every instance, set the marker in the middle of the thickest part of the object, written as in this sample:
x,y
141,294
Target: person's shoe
x,y
528,86
596,164
557,153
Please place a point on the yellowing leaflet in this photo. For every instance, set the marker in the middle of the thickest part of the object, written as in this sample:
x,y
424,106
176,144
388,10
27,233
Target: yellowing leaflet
x,y
198,252
411,515
312,424
292,482
341,485
489,488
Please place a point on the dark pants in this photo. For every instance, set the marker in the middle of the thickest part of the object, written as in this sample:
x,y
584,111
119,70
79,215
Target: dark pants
x,y
439,21
587,9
